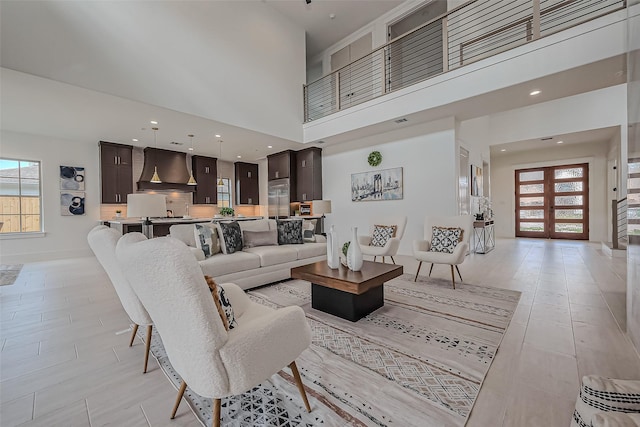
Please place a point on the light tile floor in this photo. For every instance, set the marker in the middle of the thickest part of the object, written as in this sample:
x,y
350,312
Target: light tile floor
x,y
65,359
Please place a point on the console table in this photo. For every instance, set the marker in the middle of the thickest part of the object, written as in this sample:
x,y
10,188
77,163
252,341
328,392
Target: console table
x,y
484,237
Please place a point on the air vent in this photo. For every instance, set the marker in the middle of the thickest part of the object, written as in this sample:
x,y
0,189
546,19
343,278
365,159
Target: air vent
x,y
176,143
546,139
401,120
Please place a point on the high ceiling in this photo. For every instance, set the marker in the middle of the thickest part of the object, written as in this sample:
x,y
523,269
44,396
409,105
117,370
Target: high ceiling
x,y
321,29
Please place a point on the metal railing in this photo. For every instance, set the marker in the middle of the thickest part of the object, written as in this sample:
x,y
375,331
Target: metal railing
x,y
619,219
473,31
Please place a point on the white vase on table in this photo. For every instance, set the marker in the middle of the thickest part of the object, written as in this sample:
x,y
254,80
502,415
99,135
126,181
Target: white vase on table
x,y
333,256
354,253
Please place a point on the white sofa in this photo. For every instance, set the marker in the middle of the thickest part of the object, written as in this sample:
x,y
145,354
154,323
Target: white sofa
x,y
255,266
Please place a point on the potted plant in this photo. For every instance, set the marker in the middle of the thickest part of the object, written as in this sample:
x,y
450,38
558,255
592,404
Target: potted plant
x,y
227,211
343,255
118,213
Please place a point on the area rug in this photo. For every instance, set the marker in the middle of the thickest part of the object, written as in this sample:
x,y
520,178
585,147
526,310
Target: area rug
x,y
9,273
419,360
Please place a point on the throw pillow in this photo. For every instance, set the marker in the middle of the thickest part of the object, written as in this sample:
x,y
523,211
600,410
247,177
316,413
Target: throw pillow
x,y
225,311
231,236
444,239
206,240
309,230
604,394
251,239
382,234
289,232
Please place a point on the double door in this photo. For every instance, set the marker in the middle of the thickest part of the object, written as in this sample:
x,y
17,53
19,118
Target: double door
x,y
553,202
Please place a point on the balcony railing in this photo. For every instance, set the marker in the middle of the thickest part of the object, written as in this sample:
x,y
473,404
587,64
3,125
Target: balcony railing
x,y
475,30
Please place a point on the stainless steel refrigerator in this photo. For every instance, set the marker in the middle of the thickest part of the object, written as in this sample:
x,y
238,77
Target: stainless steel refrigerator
x,y
279,198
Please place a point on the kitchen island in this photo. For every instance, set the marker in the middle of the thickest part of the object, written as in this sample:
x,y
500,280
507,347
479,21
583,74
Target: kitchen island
x,y
160,226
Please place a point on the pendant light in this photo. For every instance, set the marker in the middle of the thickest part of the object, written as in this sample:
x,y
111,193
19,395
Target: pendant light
x,y
155,178
191,181
219,171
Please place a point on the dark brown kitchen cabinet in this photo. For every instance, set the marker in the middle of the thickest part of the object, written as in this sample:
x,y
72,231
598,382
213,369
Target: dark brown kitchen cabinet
x,y
116,172
309,174
205,172
247,188
281,165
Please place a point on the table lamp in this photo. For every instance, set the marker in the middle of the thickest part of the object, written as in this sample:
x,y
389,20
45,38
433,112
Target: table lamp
x,y
321,207
146,206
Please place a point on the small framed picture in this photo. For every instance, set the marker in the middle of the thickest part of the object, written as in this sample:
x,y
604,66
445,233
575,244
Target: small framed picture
x,y
72,178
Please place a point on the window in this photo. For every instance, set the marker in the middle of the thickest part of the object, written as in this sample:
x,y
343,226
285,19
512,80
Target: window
x,y
20,196
224,194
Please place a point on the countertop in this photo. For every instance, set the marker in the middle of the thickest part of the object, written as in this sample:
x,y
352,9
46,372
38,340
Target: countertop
x,y
179,220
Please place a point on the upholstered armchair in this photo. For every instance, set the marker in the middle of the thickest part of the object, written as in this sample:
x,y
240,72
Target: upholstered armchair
x,y
390,247
212,361
102,241
425,252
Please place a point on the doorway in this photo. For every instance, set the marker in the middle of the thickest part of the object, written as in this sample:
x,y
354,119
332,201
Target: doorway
x,y
553,202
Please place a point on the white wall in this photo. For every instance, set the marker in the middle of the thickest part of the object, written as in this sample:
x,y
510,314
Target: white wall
x,y
65,236
237,62
429,177
503,183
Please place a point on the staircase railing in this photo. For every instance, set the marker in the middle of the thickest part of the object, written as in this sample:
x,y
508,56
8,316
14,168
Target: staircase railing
x,y
619,219
470,32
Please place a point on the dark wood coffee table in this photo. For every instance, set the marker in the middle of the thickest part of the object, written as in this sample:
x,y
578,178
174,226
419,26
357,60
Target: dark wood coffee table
x,y
344,293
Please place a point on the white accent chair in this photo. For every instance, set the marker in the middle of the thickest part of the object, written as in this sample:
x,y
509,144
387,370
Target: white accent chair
x,y
391,247
215,363
421,248
102,241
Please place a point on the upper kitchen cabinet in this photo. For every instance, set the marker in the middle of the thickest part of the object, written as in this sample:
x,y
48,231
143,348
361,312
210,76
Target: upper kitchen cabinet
x,y
116,172
247,187
205,172
281,165
309,174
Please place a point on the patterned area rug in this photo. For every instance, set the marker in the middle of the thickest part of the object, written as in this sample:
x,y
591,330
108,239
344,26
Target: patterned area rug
x,y
9,273
419,360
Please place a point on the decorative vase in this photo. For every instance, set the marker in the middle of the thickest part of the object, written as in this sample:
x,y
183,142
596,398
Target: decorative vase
x,y
354,254
333,256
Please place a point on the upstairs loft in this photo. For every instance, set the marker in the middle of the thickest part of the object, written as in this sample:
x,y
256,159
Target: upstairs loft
x,y
480,47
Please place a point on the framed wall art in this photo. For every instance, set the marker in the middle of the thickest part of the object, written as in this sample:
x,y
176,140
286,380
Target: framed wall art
x,y
384,184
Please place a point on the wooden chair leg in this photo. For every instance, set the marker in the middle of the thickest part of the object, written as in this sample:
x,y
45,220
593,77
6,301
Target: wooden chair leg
x,y
215,422
393,260
453,277
374,258
133,334
146,351
183,387
417,272
296,375
383,260
459,275
431,269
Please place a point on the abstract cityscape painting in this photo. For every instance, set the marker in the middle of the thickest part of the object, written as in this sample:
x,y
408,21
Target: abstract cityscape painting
x,y
377,185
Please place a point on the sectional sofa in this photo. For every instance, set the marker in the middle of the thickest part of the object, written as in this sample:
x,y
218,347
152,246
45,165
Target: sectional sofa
x,y
253,266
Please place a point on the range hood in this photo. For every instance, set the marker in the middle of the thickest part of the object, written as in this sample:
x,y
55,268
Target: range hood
x,y
172,169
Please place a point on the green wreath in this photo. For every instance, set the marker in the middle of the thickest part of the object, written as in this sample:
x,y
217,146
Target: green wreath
x,y
375,158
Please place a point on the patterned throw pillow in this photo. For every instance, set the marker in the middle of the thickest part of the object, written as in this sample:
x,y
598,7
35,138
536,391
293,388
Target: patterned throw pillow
x,y
445,239
309,230
290,232
225,311
206,240
231,236
382,233
604,394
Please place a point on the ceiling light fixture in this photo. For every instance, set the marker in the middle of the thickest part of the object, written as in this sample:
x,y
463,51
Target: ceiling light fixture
x,y
269,146
219,169
504,149
239,157
153,122
155,178
218,136
134,140
560,142
192,180
534,92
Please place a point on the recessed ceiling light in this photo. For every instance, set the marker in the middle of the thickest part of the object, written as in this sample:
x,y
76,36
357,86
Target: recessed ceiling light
x,y
560,142
134,140
239,157
153,122
504,149
534,92
269,146
190,148
218,136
